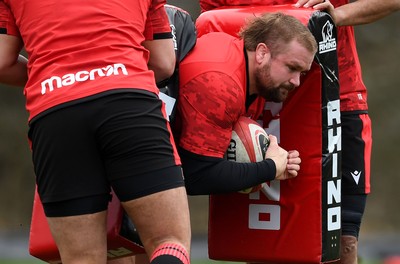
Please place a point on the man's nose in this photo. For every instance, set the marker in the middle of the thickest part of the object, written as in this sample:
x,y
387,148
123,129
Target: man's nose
x,y
295,80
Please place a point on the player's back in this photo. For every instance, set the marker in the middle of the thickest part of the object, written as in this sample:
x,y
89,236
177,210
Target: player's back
x,y
75,47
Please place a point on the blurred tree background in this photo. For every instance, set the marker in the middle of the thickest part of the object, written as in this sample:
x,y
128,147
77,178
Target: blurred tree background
x,y
379,51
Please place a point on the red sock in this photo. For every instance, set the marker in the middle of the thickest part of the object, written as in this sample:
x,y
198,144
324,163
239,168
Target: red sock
x,y
164,252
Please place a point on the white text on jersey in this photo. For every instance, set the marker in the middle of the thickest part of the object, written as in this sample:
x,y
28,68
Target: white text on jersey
x,y
82,76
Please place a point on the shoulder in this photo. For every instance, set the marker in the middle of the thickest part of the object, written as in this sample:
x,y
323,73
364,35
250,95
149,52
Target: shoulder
x,y
216,47
7,22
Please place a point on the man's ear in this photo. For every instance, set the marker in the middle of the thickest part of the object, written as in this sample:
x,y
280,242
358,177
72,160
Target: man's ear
x,y
262,52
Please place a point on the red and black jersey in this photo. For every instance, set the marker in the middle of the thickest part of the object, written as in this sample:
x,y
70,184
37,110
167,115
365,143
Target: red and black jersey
x,y
212,94
353,93
81,48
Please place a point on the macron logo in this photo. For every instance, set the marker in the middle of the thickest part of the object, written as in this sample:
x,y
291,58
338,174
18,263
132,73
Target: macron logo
x,y
82,76
356,176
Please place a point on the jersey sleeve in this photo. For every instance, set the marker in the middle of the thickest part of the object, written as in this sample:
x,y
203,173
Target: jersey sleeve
x,y
208,175
7,22
183,30
209,105
157,23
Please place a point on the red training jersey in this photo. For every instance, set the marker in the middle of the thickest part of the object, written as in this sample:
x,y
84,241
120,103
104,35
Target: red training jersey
x,y
212,94
353,93
81,48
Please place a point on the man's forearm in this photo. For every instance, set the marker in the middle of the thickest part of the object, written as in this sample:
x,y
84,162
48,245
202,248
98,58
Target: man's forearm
x,y
364,11
15,74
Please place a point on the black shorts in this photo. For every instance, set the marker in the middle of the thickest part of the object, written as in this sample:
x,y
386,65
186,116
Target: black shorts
x,y
120,140
356,153
356,157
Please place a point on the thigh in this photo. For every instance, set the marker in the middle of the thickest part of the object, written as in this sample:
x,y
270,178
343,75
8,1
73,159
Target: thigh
x,y
356,153
142,166
161,217
81,238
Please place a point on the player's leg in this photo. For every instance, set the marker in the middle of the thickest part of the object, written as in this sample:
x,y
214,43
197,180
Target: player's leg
x,y
141,259
148,180
163,224
352,211
86,243
356,153
72,183
155,220
160,217
129,231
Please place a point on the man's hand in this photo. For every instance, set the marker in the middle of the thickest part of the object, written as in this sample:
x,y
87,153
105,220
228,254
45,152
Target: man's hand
x,y
324,5
293,164
287,163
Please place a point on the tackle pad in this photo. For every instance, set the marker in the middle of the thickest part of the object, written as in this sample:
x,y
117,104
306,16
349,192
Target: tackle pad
x,y
297,220
121,241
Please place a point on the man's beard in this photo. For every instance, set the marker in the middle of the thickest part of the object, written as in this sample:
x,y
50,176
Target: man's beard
x,y
266,89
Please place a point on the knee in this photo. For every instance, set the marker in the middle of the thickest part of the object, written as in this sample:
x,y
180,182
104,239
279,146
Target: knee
x,y
348,244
